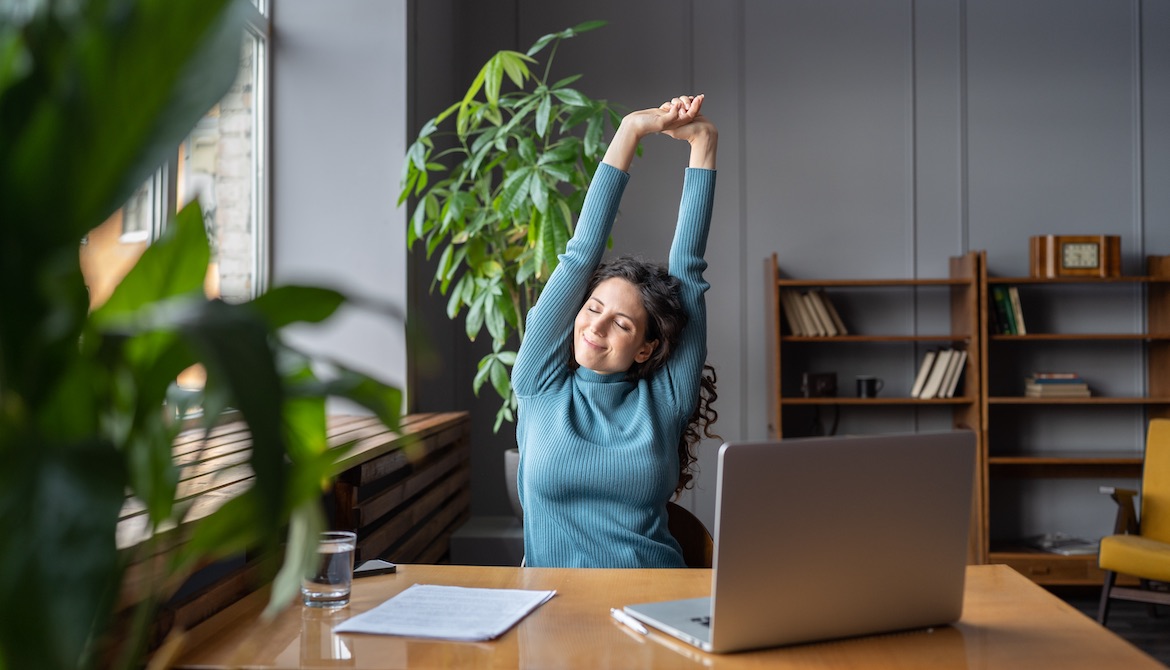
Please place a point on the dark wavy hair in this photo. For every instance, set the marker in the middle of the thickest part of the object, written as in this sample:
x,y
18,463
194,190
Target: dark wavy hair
x,y
660,293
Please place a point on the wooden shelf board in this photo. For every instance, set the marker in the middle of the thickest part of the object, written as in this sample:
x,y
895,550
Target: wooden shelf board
x,y
1009,551
872,283
892,400
1081,337
1092,400
1068,458
1139,279
876,338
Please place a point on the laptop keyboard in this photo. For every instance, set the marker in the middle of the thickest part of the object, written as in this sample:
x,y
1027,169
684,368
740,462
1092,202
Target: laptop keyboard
x,y
702,620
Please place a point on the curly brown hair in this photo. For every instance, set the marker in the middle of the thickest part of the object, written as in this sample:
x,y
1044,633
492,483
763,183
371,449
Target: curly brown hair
x,y
660,292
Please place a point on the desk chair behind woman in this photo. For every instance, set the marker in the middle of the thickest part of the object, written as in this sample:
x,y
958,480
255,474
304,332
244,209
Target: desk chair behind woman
x,y
607,424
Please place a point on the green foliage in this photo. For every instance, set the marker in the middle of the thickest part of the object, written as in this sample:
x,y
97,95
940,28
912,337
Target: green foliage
x,y
94,95
496,196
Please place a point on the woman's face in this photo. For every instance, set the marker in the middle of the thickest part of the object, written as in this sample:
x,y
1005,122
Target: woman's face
x,y
609,334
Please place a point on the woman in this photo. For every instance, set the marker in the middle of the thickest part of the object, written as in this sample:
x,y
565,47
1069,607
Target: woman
x,y
605,430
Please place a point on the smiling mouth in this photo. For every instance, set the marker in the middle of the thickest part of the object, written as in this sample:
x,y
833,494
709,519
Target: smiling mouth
x,y
591,344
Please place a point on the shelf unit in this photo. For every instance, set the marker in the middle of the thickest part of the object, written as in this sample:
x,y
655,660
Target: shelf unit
x,y
1027,459
957,303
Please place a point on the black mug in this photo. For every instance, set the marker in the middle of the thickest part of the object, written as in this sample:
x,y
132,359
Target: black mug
x,y
868,386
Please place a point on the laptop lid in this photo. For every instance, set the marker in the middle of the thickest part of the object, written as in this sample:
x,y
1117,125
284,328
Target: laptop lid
x,y
821,538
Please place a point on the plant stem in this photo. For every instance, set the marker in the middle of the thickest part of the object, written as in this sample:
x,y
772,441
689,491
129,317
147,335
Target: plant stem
x,y
548,63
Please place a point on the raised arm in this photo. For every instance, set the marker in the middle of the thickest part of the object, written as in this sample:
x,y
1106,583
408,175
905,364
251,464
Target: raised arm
x,y
687,254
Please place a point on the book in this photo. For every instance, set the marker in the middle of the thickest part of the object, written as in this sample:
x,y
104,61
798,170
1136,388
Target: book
x,y
812,326
945,383
792,314
1057,392
1056,385
833,313
800,310
1003,307
941,363
1017,311
816,301
959,365
923,372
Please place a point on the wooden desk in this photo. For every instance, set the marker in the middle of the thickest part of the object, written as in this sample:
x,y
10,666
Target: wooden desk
x,y
1008,622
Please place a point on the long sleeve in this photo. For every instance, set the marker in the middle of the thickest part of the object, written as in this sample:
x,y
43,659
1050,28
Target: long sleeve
x,y
543,355
685,365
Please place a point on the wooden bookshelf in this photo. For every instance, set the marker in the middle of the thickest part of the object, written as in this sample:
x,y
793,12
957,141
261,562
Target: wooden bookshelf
x,y
1008,458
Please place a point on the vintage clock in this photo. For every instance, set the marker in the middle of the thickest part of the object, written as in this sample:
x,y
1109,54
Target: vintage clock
x,y
1075,256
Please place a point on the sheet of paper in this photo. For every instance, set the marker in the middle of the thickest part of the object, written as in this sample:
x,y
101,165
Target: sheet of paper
x,y
447,612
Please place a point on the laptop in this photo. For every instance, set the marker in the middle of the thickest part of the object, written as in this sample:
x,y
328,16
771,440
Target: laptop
x,y
831,537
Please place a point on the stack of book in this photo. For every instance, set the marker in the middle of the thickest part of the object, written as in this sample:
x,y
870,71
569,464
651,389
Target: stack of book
x,y
1007,317
1055,385
811,314
939,374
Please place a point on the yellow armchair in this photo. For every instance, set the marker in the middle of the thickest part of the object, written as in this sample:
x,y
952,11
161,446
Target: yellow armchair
x,y
1140,546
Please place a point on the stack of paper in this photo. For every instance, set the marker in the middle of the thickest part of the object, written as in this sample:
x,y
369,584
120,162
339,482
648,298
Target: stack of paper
x,y
447,613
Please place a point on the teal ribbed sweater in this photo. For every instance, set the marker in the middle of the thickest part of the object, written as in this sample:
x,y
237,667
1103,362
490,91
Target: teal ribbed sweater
x,y
599,454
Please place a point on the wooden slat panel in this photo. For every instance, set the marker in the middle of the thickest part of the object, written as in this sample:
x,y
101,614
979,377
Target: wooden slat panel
x,y
399,525
382,503
430,542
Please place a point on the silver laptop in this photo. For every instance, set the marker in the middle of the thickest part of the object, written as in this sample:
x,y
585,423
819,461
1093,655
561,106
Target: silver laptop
x,y
824,538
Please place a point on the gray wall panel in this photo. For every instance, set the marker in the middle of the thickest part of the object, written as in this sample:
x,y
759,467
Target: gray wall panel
x,y
1155,92
1052,129
940,228
829,144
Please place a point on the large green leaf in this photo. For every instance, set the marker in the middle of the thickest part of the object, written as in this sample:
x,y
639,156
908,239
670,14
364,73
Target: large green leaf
x,y
174,265
285,305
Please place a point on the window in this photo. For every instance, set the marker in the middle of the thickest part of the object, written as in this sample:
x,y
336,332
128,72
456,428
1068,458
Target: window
x,y
223,163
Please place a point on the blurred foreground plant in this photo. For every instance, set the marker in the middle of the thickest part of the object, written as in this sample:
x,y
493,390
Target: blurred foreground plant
x,y
94,96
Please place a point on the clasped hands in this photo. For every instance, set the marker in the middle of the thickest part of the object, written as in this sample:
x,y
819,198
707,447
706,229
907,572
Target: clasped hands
x,y
679,118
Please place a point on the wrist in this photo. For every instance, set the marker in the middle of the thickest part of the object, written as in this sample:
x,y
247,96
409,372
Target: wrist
x,y
633,128
704,147
622,147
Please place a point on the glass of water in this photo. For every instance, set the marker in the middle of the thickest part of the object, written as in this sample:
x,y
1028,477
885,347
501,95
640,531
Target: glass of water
x,y
328,579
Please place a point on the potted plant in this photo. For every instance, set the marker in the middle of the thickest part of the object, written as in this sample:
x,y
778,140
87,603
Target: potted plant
x,y
93,96
498,182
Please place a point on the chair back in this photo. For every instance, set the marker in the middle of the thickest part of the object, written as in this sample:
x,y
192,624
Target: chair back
x,y
698,546
1155,496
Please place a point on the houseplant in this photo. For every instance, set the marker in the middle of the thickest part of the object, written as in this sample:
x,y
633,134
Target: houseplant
x,y
497,182
94,94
